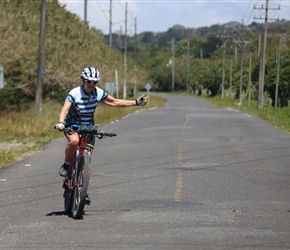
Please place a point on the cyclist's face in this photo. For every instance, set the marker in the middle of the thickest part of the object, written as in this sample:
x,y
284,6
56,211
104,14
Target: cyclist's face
x,y
89,87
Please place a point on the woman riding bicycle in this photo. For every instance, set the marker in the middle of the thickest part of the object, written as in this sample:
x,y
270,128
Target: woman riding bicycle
x,y
79,108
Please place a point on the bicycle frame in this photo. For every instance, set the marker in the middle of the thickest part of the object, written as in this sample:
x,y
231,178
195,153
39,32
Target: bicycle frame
x,y
82,148
71,182
77,181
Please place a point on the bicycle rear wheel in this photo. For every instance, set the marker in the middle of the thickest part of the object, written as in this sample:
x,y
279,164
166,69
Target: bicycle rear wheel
x,y
81,186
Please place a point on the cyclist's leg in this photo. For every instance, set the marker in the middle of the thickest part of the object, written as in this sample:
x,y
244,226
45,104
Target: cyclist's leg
x,y
73,142
91,144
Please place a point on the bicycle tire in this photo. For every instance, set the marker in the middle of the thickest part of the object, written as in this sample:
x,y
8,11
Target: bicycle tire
x,y
68,200
81,186
68,191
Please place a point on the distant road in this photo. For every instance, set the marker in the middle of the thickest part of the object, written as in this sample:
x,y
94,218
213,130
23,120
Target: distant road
x,y
186,176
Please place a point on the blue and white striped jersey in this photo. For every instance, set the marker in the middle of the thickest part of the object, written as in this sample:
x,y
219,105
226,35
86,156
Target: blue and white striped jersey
x,y
82,109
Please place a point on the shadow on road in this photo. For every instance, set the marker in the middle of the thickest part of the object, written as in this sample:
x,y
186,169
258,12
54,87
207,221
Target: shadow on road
x,y
58,213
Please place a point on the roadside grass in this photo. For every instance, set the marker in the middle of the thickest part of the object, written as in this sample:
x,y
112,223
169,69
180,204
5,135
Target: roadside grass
x,y
279,118
30,132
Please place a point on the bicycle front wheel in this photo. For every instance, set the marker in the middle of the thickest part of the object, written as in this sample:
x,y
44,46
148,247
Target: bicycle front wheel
x,y
68,186
81,185
68,200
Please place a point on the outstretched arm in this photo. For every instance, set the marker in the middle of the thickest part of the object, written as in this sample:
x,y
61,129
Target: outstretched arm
x,y
114,102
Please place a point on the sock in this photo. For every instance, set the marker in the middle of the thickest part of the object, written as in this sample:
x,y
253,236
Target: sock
x,y
66,163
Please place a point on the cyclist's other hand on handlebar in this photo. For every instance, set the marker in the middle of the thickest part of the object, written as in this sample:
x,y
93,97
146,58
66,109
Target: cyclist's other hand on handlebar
x,y
101,132
59,126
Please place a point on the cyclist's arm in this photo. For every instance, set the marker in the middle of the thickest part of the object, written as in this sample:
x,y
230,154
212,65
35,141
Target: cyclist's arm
x,y
114,102
65,108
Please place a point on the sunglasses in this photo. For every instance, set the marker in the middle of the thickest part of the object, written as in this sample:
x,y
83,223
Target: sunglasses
x,y
90,82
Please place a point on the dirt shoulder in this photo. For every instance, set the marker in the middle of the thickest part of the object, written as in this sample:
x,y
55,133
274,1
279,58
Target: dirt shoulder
x,y
15,151
11,145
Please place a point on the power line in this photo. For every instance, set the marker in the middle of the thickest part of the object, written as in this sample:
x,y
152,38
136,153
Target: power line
x,y
110,24
243,18
103,11
121,6
131,25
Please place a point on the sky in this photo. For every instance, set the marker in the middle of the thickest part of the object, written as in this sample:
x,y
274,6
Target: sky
x,y
160,15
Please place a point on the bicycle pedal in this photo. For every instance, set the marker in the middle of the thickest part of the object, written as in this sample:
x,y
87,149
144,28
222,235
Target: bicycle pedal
x,y
88,201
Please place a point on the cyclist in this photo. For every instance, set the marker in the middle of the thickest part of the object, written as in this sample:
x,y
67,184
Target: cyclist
x,y
79,108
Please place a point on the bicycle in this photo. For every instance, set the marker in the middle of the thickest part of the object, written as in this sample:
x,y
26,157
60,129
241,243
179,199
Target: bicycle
x,y
76,182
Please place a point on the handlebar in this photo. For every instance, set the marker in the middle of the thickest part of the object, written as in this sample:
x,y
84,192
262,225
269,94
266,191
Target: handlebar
x,y
84,130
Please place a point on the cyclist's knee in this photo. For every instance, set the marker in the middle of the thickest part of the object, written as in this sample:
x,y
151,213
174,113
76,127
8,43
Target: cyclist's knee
x,y
73,140
74,143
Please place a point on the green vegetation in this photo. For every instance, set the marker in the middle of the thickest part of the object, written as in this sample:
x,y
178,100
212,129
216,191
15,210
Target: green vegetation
x,y
33,132
204,46
70,45
279,118
206,62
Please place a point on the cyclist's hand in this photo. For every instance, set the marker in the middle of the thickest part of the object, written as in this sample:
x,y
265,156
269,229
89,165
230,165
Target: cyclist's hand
x,y
59,126
101,131
141,101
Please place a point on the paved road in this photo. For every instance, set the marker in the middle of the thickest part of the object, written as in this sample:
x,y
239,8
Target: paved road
x,y
187,176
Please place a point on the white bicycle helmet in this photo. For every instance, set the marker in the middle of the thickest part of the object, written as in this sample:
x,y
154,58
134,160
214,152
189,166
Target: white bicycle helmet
x,y
91,74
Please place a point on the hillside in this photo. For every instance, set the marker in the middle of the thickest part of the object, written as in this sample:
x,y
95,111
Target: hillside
x,y
70,46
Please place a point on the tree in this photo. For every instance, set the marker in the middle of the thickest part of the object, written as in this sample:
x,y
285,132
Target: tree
x,y
284,79
210,46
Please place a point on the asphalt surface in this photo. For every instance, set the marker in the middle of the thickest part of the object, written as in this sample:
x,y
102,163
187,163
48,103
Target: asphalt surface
x,y
186,176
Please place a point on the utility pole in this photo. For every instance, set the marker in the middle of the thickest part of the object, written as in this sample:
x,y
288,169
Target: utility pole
x,y
187,57
120,37
249,83
40,68
135,59
236,55
224,38
278,74
231,77
263,55
135,39
110,28
117,83
259,46
85,11
242,44
172,50
125,56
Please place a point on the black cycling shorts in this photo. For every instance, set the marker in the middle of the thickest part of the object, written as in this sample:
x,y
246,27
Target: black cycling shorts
x,y
91,140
